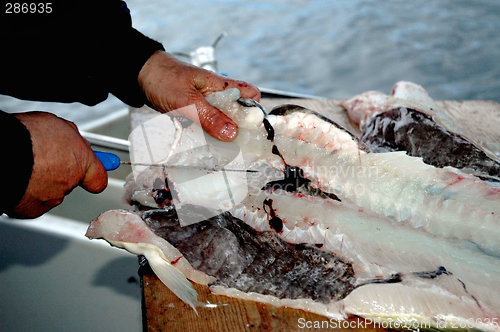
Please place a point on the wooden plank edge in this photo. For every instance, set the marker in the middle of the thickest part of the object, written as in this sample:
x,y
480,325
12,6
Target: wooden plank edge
x,y
164,311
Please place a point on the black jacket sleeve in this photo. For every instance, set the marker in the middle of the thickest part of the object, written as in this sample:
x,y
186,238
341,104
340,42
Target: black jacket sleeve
x,y
79,52
16,163
76,51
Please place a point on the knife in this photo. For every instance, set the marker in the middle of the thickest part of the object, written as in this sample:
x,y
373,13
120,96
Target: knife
x,y
111,161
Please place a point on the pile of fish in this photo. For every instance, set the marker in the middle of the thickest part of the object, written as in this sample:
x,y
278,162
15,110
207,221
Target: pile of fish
x,y
377,227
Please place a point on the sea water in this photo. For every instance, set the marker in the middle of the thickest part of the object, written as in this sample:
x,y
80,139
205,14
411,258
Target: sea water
x,y
333,49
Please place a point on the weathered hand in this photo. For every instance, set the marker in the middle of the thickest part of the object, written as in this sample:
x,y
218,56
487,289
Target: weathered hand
x,y
62,160
169,84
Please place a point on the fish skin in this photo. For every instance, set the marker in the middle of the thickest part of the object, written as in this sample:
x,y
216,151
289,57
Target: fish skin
x,y
409,120
416,133
240,257
403,94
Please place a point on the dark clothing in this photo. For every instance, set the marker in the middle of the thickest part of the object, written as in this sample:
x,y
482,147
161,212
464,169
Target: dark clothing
x,y
79,52
16,162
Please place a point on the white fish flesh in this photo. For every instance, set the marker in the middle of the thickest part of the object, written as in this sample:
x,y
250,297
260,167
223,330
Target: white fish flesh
x,y
441,201
387,236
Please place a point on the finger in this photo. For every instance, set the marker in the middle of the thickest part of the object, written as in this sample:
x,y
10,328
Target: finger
x,y
248,90
218,83
216,123
72,124
96,177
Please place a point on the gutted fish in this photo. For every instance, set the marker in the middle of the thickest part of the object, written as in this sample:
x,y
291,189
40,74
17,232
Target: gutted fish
x,y
409,120
325,225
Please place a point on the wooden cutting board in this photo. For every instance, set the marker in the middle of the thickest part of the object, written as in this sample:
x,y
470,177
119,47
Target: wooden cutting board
x,y
163,311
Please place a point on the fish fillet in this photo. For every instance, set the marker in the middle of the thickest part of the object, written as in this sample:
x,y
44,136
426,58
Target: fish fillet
x,y
325,226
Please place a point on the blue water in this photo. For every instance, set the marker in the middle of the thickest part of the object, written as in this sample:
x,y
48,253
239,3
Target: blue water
x,y
334,49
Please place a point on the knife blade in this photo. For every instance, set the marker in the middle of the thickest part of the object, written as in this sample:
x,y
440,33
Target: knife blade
x,y
111,161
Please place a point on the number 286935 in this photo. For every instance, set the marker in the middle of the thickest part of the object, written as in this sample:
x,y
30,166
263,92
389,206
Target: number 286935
x,y
28,8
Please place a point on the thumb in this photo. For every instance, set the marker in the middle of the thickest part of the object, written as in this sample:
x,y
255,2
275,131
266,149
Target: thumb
x,y
216,123
96,177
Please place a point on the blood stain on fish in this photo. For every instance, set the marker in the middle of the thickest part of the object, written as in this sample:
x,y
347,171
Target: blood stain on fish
x,y
269,129
176,260
275,222
432,274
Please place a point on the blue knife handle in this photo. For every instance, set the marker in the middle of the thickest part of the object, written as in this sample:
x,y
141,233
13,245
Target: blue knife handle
x,y
109,160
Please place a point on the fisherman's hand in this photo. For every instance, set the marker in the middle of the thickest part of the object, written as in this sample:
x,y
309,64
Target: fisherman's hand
x,y
62,159
169,84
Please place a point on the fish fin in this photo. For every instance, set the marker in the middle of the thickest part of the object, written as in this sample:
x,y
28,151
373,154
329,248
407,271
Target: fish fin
x,y
172,278
166,272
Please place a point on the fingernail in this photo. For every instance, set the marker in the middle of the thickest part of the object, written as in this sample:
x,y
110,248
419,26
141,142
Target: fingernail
x,y
229,132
